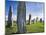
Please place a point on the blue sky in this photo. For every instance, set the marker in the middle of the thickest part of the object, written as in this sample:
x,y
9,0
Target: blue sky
x,y
36,9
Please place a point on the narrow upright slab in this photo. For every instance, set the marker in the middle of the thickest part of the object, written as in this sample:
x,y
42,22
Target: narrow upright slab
x,y
21,16
9,18
29,18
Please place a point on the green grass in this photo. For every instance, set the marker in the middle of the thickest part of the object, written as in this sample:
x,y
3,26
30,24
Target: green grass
x,y
36,27
13,29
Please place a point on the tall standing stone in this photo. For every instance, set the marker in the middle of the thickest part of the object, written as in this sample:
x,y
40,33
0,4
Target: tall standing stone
x,y
21,16
29,18
9,18
40,19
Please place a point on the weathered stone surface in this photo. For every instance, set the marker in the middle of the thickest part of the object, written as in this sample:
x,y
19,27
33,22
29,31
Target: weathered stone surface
x,y
29,18
9,23
21,16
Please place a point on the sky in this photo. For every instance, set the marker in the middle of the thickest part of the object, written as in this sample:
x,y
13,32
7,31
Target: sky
x,y
36,9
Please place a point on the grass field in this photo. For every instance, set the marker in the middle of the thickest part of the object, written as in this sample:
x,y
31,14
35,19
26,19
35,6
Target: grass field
x,y
32,28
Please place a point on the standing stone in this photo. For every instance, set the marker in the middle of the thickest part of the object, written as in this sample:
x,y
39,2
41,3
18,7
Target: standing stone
x,y
29,18
40,19
36,19
21,16
33,20
9,18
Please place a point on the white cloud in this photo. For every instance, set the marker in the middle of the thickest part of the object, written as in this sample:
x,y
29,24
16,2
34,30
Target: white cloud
x,y
27,17
6,18
13,18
